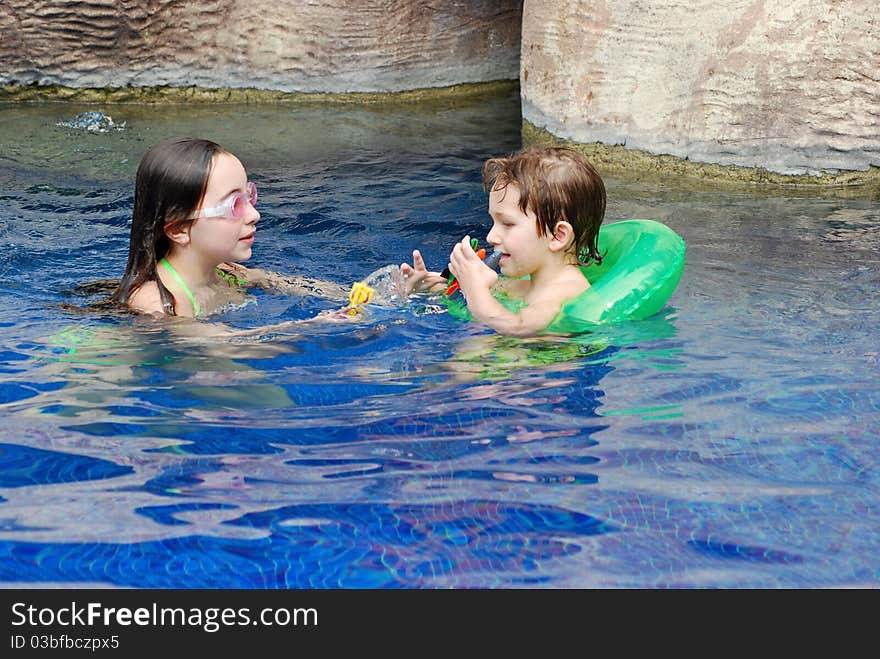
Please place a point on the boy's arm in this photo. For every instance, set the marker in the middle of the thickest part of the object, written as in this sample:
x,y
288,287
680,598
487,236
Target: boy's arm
x,y
477,279
529,321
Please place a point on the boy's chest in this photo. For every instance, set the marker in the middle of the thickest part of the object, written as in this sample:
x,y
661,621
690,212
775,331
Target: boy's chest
x,y
513,288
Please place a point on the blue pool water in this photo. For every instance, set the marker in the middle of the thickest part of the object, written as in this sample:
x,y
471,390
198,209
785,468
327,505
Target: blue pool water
x,y
731,441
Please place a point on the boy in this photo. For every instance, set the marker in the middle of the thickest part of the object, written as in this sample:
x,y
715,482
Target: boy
x,y
547,205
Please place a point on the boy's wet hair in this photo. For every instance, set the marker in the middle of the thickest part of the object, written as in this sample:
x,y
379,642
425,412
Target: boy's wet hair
x,y
556,183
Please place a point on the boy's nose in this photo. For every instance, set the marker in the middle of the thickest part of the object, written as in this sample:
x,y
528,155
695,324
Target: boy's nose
x,y
491,238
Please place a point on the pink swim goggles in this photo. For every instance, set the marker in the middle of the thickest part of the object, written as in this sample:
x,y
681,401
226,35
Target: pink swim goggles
x,y
234,206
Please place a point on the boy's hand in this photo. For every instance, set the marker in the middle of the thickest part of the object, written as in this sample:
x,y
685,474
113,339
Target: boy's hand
x,y
469,269
419,278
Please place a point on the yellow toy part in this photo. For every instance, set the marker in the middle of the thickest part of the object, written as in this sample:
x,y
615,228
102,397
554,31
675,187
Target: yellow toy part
x,y
359,295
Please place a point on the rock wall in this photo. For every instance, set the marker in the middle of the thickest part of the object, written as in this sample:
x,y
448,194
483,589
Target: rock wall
x,y
284,45
792,87
787,87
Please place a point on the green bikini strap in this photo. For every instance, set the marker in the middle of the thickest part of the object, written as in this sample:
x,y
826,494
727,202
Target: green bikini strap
x,y
231,278
189,293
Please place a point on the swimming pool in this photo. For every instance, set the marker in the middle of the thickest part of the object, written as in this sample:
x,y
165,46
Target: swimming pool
x,y
731,441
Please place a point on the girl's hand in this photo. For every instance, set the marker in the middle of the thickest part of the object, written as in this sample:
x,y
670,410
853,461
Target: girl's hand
x,y
470,271
419,278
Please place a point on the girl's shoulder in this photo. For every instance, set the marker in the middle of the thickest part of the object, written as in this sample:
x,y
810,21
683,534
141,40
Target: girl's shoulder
x,y
147,299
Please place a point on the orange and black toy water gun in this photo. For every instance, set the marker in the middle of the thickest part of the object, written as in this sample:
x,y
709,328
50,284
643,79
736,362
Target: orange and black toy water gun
x,y
453,289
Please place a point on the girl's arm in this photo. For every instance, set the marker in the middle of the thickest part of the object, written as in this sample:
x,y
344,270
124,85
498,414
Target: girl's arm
x,y
269,280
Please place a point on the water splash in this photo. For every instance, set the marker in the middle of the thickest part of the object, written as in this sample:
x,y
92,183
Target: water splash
x,y
389,286
93,122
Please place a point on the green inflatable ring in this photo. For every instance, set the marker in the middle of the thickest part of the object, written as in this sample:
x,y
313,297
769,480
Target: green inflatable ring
x,y
642,265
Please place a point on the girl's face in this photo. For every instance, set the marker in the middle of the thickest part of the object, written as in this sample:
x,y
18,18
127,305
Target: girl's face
x,y
225,238
516,234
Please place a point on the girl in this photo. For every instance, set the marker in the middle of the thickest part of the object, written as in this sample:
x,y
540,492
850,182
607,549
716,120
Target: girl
x,y
193,220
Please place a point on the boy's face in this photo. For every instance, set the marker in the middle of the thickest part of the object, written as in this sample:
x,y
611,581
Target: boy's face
x,y
516,234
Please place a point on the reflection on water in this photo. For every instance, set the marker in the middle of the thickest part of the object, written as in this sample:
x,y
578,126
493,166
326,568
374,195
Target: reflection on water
x,y
727,441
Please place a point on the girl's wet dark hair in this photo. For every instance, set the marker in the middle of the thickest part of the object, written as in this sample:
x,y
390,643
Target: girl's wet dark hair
x,y
171,181
556,183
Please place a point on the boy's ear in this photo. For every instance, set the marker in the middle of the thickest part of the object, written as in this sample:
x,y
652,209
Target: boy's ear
x,y
177,232
563,235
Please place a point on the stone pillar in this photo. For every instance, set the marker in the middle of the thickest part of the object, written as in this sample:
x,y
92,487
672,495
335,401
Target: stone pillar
x,y
788,87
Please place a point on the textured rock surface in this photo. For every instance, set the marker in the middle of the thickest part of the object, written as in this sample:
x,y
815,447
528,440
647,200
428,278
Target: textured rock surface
x,y
285,45
793,87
